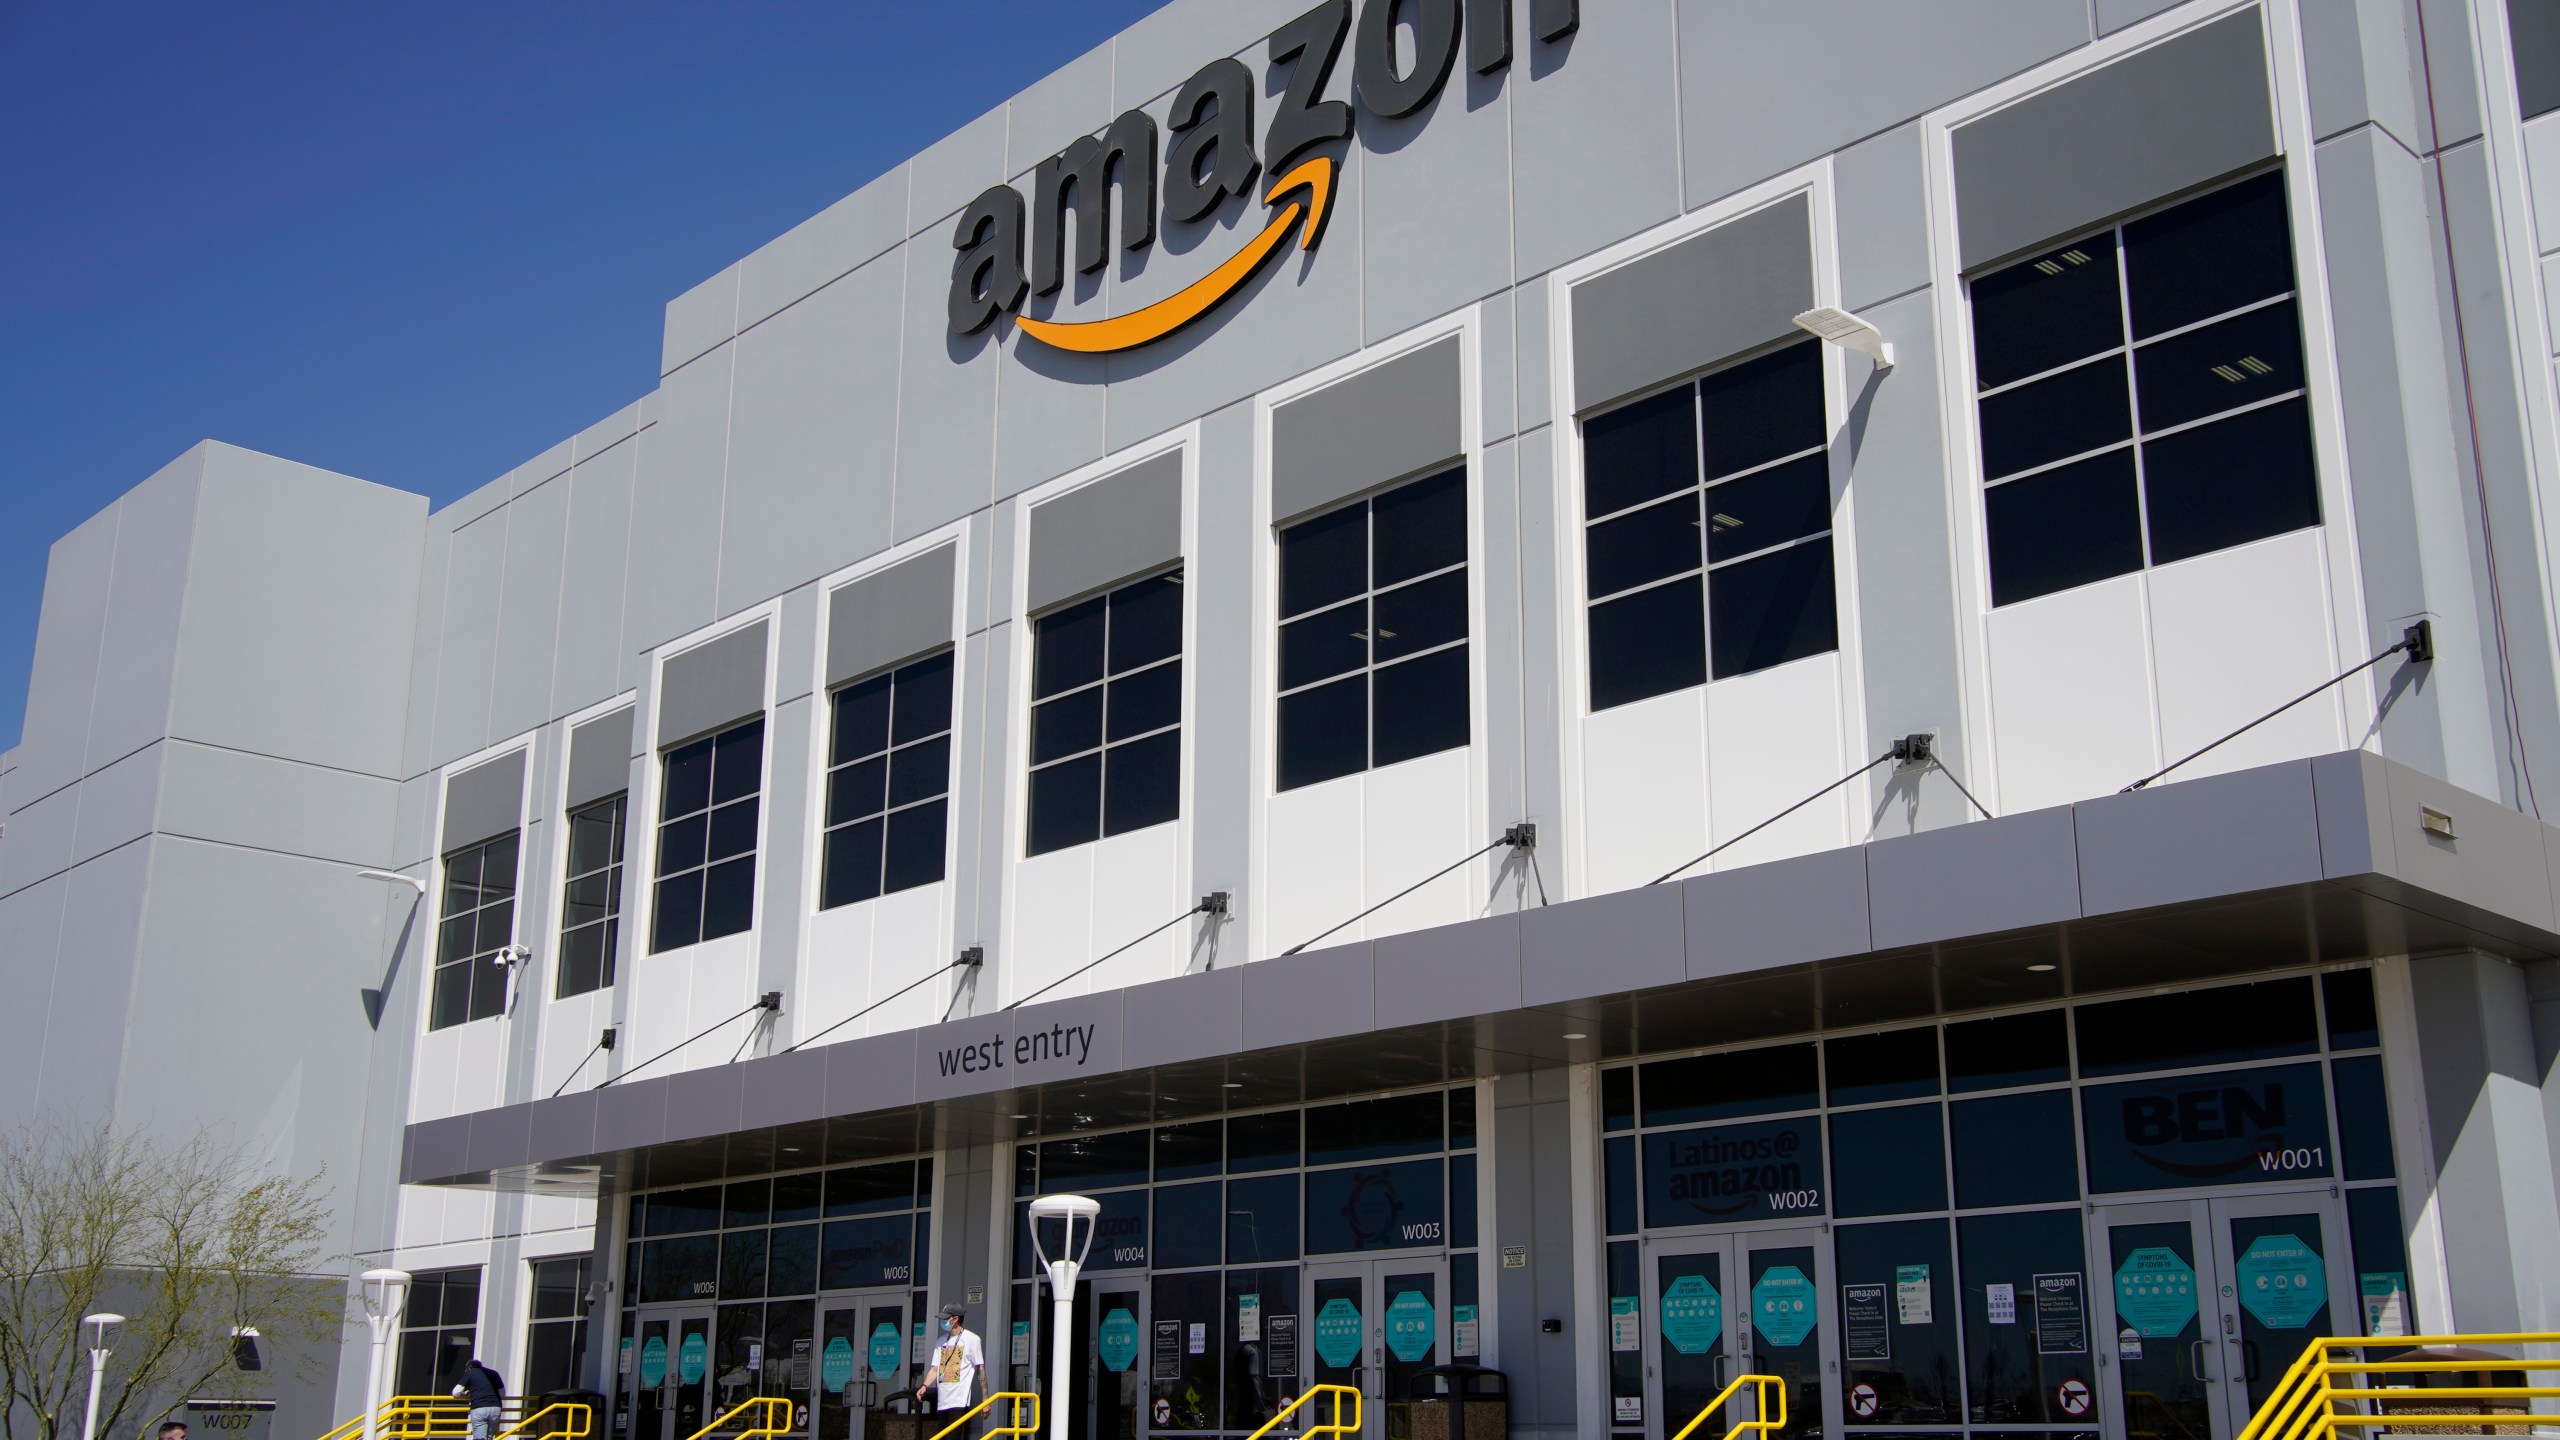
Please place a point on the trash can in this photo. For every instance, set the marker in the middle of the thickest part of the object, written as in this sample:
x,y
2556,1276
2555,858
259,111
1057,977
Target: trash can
x,y
2465,1367
1461,1402
560,1424
896,1417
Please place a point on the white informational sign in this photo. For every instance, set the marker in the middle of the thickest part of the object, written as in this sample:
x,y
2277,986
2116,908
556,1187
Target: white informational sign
x,y
1629,1409
1248,1318
1199,1337
1466,1332
1021,1342
2129,1343
1626,1330
2003,1300
1911,1301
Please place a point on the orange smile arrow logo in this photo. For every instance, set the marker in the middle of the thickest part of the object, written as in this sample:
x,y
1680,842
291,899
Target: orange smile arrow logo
x,y
1154,322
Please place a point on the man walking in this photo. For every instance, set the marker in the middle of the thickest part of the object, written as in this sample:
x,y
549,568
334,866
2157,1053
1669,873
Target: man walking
x,y
485,1393
954,1376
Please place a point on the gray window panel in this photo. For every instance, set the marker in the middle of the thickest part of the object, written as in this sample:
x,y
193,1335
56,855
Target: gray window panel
x,y
1385,423
484,800
2177,115
1105,532
600,758
2533,30
896,614
1704,300
710,685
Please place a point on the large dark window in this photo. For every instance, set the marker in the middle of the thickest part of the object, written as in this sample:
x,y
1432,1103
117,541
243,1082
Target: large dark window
x,y
1373,632
1707,536
2141,394
707,811
1106,715
555,1339
591,899
439,1329
477,925
888,783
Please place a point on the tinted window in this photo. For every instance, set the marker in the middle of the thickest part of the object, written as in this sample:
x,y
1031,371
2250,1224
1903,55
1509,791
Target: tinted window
x,y
2207,1027
1370,1129
1185,1152
2227,1128
1743,1082
2008,1050
707,816
1763,1170
1749,503
2018,1362
1188,1225
1919,1372
2014,1150
2210,393
1106,750
1394,1206
1374,632
2364,1118
2348,997
1887,1162
1262,1219
1896,1065
1267,1141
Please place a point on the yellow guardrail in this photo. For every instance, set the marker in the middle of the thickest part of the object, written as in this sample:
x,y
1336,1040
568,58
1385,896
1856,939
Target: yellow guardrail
x,y
441,1417
2304,1404
1762,1423
775,1419
1021,1399
1336,1426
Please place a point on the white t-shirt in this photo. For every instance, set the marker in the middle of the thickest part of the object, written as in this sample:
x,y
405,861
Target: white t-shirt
x,y
956,1363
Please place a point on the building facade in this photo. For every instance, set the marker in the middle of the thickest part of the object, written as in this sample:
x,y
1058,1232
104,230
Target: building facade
x,y
1498,667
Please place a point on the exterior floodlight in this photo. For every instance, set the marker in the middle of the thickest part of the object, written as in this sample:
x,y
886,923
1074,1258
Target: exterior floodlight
x,y
383,1292
98,1353
1848,332
1062,1268
396,878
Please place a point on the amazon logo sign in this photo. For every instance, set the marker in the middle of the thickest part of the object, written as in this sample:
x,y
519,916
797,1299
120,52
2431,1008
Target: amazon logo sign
x,y
1213,157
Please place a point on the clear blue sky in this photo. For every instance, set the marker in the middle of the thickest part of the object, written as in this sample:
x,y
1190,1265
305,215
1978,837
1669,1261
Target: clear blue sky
x,y
414,242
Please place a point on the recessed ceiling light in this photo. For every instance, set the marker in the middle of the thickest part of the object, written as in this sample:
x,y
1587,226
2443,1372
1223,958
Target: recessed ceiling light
x,y
790,1149
1235,1084
1575,1035
2038,969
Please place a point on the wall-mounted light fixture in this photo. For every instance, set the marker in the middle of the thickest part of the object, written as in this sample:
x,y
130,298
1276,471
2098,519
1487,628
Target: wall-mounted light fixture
x,y
1848,332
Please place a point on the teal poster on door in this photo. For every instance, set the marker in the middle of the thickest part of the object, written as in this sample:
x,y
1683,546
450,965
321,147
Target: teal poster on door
x,y
884,1350
653,1362
2281,1282
692,1358
835,1367
1410,1321
1692,1315
2156,1293
1338,1333
1782,1306
1116,1341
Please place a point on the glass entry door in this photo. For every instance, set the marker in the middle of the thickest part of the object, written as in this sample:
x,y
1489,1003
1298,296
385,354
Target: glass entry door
x,y
862,1363
2209,1301
671,1378
1719,1307
1376,1325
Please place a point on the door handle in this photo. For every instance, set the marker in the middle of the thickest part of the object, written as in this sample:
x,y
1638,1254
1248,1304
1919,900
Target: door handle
x,y
2195,1359
2249,1360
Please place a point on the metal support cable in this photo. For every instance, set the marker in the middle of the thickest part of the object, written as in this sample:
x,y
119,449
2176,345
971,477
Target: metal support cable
x,y
1899,750
2418,640
604,1042
770,1000
971,956
1520,836
1959,784
1211,904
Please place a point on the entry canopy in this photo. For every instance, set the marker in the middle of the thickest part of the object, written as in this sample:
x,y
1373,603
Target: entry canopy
x,y
2305,862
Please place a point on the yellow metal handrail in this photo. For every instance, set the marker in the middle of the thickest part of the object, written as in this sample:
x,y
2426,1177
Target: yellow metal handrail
x,y
1761,1386
1016,1426
774,1408
2304,1404
1335,1426
441,1417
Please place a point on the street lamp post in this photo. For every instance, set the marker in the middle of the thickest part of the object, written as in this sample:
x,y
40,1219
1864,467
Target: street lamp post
x,y
1062,1268
383,1291
98,1353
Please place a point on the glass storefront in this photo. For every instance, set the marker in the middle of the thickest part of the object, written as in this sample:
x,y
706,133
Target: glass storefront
x,y
1240,1259
2117,1216
808,1285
